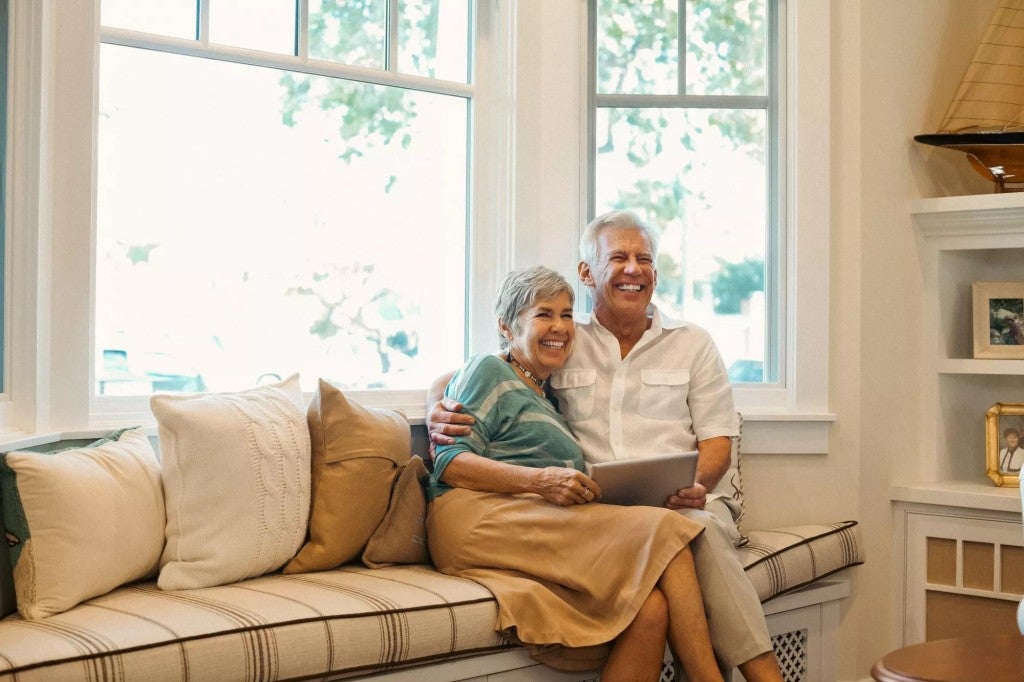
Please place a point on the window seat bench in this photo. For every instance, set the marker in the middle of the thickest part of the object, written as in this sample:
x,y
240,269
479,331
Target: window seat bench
x,y
396,623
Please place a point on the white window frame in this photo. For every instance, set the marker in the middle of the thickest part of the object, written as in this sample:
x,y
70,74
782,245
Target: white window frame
x,y
5,276
794,416
769,103
528,204
59,50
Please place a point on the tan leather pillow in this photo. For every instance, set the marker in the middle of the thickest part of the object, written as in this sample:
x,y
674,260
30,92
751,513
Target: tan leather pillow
x,y
356,452
401,538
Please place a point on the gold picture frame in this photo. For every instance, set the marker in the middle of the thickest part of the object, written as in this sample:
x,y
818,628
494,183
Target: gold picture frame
x,y
1004,443
999,320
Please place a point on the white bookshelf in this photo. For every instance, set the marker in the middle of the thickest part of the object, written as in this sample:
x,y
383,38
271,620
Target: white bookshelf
x,y
943,495
962,240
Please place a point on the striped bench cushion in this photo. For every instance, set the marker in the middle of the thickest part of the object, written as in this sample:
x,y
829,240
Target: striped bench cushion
x,y
785,559
344,622
267,628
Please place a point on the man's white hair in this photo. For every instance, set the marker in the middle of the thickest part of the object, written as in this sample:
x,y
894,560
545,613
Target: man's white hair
x,y
627,219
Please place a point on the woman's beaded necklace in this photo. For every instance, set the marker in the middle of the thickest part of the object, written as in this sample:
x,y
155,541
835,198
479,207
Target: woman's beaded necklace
x,y
529,375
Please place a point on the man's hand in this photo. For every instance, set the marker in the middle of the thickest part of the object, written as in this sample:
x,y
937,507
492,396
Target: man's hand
x,y
688,498
565,487
445,421
712,463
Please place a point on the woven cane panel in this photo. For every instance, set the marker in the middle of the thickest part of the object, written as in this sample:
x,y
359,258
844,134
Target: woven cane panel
x,y
791,650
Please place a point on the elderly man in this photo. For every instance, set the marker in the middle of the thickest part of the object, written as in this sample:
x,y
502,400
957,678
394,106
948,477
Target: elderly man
x,y
638,384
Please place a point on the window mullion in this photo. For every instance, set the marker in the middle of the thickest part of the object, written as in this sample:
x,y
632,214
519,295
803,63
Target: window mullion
x,y
391,64
682,101
203,21
776,277
302,29
681,47
238,55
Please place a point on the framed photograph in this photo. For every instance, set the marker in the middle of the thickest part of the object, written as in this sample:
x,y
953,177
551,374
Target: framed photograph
x,y
999,320
1004,443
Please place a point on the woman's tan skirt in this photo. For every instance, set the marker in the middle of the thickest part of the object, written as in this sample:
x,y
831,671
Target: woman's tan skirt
x,y
570,576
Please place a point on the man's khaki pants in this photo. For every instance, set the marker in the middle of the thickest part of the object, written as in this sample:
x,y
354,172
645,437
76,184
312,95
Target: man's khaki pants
x,y
735,617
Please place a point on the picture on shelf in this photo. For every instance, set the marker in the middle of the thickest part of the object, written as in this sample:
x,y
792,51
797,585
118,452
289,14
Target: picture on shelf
x,y
999,320
1004,443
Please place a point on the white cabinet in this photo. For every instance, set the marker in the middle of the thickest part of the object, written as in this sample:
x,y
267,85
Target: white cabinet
x,y
950,521
963,571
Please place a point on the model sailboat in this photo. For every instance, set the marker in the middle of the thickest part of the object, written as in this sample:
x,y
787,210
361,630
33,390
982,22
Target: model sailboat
x,y
986,117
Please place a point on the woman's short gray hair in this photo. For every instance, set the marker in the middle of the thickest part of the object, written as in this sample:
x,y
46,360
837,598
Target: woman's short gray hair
x,y
521,289
627,219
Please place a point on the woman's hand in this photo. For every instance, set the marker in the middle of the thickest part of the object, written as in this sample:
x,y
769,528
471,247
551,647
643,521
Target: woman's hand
x,y
564,486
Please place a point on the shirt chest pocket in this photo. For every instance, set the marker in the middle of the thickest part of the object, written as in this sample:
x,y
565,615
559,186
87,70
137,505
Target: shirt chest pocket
x,y
663,393
574,389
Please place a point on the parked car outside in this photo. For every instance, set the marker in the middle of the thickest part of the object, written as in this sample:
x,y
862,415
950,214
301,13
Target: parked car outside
x,y
145,373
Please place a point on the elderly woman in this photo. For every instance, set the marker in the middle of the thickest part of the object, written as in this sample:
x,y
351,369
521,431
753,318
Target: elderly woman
x,y
512,509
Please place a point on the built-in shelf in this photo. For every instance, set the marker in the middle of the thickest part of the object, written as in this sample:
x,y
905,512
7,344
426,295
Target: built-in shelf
x,y
944,493
963,239
981,214
970,366
968,203
979,494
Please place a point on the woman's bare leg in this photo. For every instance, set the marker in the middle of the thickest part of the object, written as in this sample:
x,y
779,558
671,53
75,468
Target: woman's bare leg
x,y
687,625
637,652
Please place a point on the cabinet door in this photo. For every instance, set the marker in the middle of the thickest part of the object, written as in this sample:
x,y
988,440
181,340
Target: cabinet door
x,y
965,576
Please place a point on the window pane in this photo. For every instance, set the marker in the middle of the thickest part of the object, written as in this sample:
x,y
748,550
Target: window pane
x,y
174,18
348,31
726,47
252,223
637,47
433,38
682,170
266,25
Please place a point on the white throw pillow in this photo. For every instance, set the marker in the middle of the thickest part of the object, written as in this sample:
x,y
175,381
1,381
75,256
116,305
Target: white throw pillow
x,y
236,483
81,521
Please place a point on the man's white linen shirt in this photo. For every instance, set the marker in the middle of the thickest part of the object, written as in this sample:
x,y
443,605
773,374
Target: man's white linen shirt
x,y
670,391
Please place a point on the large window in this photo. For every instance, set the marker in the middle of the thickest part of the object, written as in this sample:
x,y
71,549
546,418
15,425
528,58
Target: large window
x,y
221,192
275,182
686,133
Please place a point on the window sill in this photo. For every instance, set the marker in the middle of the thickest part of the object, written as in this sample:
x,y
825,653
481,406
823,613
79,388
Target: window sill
x,y
765,432
20,440
787,433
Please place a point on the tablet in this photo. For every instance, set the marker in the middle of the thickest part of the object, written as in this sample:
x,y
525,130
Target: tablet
x,y
648,481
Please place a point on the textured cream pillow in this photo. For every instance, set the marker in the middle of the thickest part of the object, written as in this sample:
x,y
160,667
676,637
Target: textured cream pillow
x,y
236,482
81,521
356,454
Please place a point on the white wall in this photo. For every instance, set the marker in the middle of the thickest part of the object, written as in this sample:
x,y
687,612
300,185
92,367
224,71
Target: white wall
x,y
895,67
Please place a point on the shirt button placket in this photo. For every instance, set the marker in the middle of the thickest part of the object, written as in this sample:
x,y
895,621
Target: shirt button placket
x,y
617,400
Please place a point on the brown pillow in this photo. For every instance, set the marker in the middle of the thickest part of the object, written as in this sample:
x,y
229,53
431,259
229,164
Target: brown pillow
x,y
401,538
356,452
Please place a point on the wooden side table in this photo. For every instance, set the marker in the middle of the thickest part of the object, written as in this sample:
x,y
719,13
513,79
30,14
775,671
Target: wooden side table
x,y
966,659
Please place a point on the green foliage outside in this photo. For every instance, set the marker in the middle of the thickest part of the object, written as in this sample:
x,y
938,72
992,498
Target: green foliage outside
x,y
355,304
369,117
734,282
636,46
637,54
